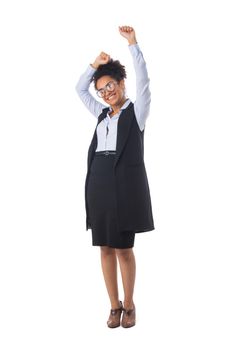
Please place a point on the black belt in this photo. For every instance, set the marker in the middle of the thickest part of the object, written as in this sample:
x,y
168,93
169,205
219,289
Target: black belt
x,y
105,153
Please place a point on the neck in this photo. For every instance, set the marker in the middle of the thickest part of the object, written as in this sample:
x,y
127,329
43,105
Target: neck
x,y
116,108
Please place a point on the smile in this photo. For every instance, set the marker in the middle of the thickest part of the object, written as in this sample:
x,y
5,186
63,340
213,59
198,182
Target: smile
x,y
110,97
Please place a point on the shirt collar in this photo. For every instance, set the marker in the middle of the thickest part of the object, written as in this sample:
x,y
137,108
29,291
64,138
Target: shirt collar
x,y
124,106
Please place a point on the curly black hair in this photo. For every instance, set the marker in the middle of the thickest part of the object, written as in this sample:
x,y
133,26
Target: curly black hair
x,y
113,68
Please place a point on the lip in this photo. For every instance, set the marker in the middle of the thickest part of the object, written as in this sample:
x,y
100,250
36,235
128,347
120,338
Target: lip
x,y
109,98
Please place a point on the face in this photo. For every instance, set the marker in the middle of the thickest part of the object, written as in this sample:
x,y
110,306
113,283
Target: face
x,y
113,92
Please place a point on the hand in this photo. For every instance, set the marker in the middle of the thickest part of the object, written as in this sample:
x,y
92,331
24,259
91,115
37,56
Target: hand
x,y
129,34
103,58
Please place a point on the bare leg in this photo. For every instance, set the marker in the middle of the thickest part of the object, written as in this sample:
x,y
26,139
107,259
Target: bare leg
x,y
109,268
128,271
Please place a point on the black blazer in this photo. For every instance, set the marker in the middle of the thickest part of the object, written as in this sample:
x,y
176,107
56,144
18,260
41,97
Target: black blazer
x,y
134,208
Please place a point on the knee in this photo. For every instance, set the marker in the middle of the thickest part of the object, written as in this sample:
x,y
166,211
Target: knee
x,y
106,251
124,254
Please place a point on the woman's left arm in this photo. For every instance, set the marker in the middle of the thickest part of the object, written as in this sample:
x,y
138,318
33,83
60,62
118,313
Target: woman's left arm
x,y
143,95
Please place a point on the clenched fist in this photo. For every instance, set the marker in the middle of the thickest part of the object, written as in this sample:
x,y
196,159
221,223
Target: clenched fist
x,y
103,58
128,33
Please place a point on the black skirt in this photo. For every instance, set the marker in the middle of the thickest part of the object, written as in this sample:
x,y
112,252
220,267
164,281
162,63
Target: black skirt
x,y
101,201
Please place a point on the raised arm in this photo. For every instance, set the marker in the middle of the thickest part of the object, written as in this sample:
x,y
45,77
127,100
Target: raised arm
x,y
143,95
82,87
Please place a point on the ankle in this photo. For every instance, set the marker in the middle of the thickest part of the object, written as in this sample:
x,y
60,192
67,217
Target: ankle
x,y
116,304
128,305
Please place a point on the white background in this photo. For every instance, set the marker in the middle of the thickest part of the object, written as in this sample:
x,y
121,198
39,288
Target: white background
x,y
52,293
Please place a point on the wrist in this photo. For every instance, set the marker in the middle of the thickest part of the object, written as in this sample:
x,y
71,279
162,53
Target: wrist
x,y
132,42
95,65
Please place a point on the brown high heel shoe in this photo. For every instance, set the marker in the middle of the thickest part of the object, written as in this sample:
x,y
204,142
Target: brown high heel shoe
x,y
114,319
129,317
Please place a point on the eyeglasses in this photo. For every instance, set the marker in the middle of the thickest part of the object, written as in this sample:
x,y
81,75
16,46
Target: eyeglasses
x,y
110,86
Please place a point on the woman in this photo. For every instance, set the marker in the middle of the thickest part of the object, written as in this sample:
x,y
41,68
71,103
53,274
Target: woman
x,y
117,195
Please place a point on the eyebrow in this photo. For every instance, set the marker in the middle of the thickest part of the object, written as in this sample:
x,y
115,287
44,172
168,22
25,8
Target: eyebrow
x,y
105,85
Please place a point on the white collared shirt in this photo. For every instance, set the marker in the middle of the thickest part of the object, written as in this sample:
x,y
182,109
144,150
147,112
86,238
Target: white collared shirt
x,y
107,131
107,128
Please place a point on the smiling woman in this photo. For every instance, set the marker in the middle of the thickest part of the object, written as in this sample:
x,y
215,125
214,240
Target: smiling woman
x,y
109,82
113,92
109,87
117,195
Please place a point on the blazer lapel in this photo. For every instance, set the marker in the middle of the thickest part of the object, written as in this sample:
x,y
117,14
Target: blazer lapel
x,y
93,144
124,124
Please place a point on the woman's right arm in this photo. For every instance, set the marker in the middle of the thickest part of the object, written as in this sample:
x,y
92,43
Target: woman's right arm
x,y
84,82
82,89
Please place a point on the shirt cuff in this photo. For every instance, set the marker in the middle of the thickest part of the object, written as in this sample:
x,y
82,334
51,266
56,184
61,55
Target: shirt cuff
x,y
90,69
134,48
89,72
